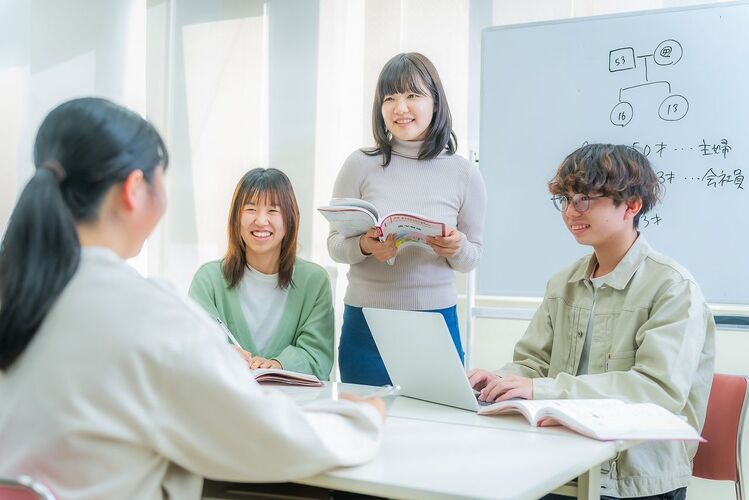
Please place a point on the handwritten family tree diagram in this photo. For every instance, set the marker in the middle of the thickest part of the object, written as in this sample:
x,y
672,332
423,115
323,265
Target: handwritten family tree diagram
x,y
673,107
668,53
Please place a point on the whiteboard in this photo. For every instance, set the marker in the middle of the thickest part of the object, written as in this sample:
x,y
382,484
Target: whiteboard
x,y
673,83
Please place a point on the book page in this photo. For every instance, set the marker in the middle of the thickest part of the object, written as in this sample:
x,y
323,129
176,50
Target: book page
x,y
604,419
611,419
529,408
410,229
348,220
356,202
275,375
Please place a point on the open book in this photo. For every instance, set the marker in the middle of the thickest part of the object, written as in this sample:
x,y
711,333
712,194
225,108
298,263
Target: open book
x,y
275,375
352,217
604,419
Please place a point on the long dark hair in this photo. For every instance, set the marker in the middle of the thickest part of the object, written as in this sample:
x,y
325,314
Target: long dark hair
x,y
274,187
413,72
83,148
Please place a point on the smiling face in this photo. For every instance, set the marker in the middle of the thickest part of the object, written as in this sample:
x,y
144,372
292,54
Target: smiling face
x,y
408,115
603,223
262,228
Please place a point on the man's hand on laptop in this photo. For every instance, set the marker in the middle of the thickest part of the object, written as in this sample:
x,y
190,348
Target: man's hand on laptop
x,y
493,388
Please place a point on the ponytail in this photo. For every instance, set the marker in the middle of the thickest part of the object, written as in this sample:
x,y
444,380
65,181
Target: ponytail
x,y
83,148
38,256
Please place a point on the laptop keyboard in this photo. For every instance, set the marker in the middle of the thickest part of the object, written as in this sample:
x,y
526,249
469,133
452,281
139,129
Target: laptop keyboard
x,y
483,403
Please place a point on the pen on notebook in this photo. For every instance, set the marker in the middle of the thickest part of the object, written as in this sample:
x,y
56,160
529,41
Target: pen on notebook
x,y
385,390
228,333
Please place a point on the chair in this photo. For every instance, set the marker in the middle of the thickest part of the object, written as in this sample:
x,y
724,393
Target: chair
x,y
720,457
24,488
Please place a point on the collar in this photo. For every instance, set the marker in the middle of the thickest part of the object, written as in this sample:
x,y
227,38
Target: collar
x,y
261,275
624,270
407,149
101,253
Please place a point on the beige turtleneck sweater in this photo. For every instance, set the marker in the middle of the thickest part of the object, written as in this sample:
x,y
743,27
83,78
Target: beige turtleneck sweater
x,y
446,188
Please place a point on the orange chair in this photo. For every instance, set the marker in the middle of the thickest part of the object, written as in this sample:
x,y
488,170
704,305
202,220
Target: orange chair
x,y
24,488
720,457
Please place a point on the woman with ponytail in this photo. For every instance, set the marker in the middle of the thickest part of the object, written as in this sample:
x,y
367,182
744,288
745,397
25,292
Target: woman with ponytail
x,y
112,386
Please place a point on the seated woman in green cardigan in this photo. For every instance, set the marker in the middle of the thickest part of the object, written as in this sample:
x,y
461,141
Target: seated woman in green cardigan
x,y
278,306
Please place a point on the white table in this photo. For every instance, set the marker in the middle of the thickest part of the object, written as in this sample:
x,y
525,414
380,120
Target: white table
x,y
434,451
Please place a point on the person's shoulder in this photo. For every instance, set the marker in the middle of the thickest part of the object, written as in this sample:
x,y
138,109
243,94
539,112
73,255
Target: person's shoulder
x,y
161,308
559,283
174,331
210,270
570,272
309,271
458,160
359,165
211,267
665,268
136,313
208,279
363,157
461,166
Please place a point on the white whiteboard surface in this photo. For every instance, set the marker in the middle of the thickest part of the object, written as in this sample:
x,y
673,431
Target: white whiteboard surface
x,y
674,83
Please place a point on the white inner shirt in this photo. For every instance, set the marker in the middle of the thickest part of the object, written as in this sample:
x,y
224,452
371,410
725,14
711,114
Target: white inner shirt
x,y
262,303
582,368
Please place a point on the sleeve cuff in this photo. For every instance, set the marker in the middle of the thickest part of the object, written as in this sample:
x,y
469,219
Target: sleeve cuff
x,y
465,260
288,361
353,250
543,388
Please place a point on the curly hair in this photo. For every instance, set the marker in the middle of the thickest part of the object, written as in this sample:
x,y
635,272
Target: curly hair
x,y
616,171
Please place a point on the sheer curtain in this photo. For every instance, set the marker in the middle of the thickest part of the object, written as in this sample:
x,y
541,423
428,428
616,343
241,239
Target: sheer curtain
x,y
207,66
53,51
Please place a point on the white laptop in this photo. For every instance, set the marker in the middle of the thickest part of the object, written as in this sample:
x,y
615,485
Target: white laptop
x,y
420,356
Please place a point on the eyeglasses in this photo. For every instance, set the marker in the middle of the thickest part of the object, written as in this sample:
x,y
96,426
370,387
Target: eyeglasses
x,y
580,201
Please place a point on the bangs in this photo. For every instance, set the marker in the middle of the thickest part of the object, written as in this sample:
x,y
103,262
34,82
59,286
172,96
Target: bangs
x,y
268,186
257,195
581,178
403,77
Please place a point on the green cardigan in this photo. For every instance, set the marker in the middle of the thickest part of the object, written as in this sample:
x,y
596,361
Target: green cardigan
x,y
303,340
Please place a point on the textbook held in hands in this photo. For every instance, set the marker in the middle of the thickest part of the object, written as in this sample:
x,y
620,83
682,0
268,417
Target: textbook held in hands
x,y
602,419
353,217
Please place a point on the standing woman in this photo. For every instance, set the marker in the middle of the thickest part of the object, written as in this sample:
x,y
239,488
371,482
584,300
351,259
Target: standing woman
x,y
113,386
277,305
413,168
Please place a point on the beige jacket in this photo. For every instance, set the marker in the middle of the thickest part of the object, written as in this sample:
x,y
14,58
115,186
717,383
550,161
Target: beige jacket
x,y
653,341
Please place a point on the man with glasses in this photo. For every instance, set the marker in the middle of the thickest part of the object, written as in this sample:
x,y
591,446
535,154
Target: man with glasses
x,y
625,322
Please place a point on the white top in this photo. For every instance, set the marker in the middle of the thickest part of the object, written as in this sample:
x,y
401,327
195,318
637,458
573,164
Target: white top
x,y
262,303
129,391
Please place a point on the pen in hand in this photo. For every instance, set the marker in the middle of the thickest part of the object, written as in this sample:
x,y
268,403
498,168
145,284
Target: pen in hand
x,y
228,333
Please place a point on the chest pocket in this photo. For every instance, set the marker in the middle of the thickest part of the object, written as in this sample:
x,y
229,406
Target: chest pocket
x,y
620,361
